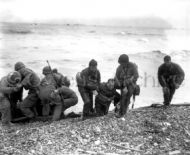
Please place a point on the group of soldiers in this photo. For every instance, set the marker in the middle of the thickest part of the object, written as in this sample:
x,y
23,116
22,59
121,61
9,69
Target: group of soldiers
x,y
51,96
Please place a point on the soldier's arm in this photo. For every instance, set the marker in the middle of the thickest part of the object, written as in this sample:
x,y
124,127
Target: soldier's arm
x,y
135,73
6,89
160,77
99,77
65,90
117,81
84,77
180,74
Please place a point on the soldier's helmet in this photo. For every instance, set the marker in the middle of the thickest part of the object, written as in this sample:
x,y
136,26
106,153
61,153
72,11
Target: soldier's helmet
x,y
55,70
14,77
46,70
19,65
123,59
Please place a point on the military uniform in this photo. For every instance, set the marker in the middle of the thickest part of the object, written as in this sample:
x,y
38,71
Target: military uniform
x,y
87,82
8,85
63,99
64,80
168,76
126,77
30,82
104,99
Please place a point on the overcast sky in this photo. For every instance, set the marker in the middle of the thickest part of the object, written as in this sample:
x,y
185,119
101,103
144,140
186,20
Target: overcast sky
x,y
177,12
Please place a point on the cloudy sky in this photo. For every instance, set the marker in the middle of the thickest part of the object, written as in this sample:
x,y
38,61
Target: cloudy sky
x,y
177,12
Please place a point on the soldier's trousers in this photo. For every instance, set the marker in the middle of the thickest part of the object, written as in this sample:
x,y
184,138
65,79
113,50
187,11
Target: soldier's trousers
x,y
87,97
101,108
28,104
60,108
168,95
125,99
5,111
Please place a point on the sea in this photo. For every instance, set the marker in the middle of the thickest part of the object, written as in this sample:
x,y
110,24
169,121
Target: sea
x,y
70,47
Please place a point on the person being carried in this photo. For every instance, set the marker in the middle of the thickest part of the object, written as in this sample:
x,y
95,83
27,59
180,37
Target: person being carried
x,y
88,81
170,77
126,77
106,94
8,85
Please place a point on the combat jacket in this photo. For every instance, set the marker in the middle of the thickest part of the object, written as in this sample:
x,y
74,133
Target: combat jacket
x,y
166,74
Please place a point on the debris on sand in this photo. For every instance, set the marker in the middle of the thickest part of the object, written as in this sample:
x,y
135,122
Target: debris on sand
x,y
148,130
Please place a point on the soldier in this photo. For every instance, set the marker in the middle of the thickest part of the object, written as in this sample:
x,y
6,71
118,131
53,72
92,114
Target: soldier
x,y
8,85
50,82
59,99
51,78
63,98
88,81
106,94
170,77
126,77
54,95
30,82
64,79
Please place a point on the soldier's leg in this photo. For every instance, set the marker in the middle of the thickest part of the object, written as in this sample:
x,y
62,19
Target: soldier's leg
x,y
172,91
86,99
69,102
6,116
91,102
166,92
117,99
57,112
28,103
5,112
98,108
125,99
106,108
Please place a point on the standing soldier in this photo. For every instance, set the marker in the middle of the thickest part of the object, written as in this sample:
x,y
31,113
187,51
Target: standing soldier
x,y
170,77
126,77
88,81
8,85
30,82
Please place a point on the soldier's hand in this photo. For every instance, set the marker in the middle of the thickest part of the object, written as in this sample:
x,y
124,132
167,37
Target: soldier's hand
x,y
56,91
112,98
19,86
95,92
176,85
165,89
125,90
15,89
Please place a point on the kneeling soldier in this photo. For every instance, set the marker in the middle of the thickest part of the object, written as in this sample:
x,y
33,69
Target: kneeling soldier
x,y
59,99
